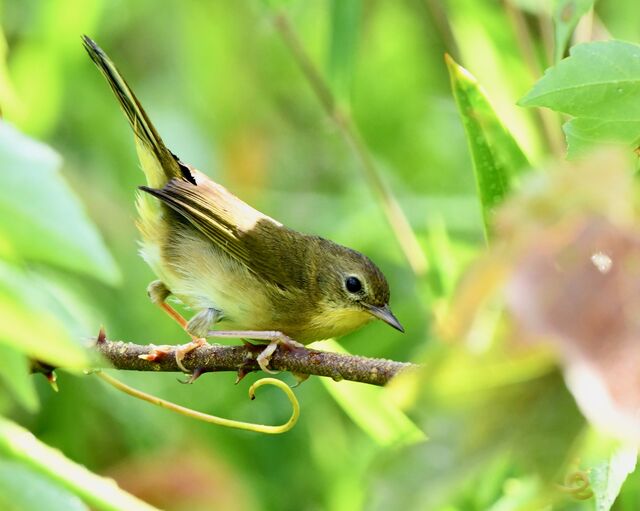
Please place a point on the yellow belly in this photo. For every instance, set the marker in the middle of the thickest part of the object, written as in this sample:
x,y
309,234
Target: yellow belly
x,y
207,278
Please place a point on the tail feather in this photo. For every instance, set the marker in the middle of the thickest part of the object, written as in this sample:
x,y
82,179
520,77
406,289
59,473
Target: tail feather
x,y
160,165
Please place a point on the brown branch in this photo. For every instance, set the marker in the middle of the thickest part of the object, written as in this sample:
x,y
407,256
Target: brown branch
x,y
241,359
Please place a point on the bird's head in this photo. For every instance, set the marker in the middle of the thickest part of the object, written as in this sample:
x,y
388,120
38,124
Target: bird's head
x,y
353,290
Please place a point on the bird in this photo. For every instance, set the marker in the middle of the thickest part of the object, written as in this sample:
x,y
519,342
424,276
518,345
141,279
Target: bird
x,y
243,273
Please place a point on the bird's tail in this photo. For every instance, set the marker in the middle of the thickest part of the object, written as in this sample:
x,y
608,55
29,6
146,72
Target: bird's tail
x,y
159,164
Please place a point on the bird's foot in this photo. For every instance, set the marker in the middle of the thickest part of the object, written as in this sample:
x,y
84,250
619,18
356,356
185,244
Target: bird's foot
x,y
265,355
300,378
193,376
184,349
275,339
156,353
159,352
196,327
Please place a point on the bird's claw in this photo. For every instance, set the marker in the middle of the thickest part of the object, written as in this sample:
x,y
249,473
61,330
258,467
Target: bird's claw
x,y
193,376
184,349
265,355
300,378
159,352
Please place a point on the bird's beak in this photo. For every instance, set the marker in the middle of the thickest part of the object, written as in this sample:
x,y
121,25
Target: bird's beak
x,y
385,314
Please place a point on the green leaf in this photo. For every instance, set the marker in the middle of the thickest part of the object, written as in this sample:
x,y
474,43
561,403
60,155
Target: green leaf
x,y
372,409
497,158
599,84
607,477
583,133
599,80
14,372
22,489
345,28
40,217
28,325
566,15
102,494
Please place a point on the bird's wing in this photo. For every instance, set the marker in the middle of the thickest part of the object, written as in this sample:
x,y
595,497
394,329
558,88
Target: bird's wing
x,y
241,231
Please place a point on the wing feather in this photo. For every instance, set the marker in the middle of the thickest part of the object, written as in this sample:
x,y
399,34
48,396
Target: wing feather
x,y
224,219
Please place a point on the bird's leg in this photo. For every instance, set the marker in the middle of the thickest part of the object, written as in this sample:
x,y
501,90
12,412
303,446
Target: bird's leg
x,y
158,294
275,338
196,327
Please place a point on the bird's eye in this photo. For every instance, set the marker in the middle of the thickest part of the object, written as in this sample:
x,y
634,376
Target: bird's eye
x,y
353,284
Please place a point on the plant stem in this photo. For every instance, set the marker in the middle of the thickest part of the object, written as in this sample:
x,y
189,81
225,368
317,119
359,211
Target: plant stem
x,y
213,419
392,210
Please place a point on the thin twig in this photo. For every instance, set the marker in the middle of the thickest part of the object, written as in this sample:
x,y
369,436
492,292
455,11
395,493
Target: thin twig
x,y
241,359
395,216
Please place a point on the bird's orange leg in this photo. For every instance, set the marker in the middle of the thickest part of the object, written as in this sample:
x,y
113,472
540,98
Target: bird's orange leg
x,y
158,293
174,314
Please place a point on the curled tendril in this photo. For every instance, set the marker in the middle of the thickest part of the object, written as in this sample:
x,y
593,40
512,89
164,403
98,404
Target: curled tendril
x,y
212,419
577,485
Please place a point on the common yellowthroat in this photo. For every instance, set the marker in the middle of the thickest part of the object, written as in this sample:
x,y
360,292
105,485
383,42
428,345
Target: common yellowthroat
x,y
235,266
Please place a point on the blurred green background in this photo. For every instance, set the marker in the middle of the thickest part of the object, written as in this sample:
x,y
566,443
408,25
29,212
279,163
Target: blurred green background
x,y
227,97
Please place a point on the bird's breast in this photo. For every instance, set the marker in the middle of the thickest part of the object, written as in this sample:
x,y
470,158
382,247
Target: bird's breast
x,y
202,276
328,322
